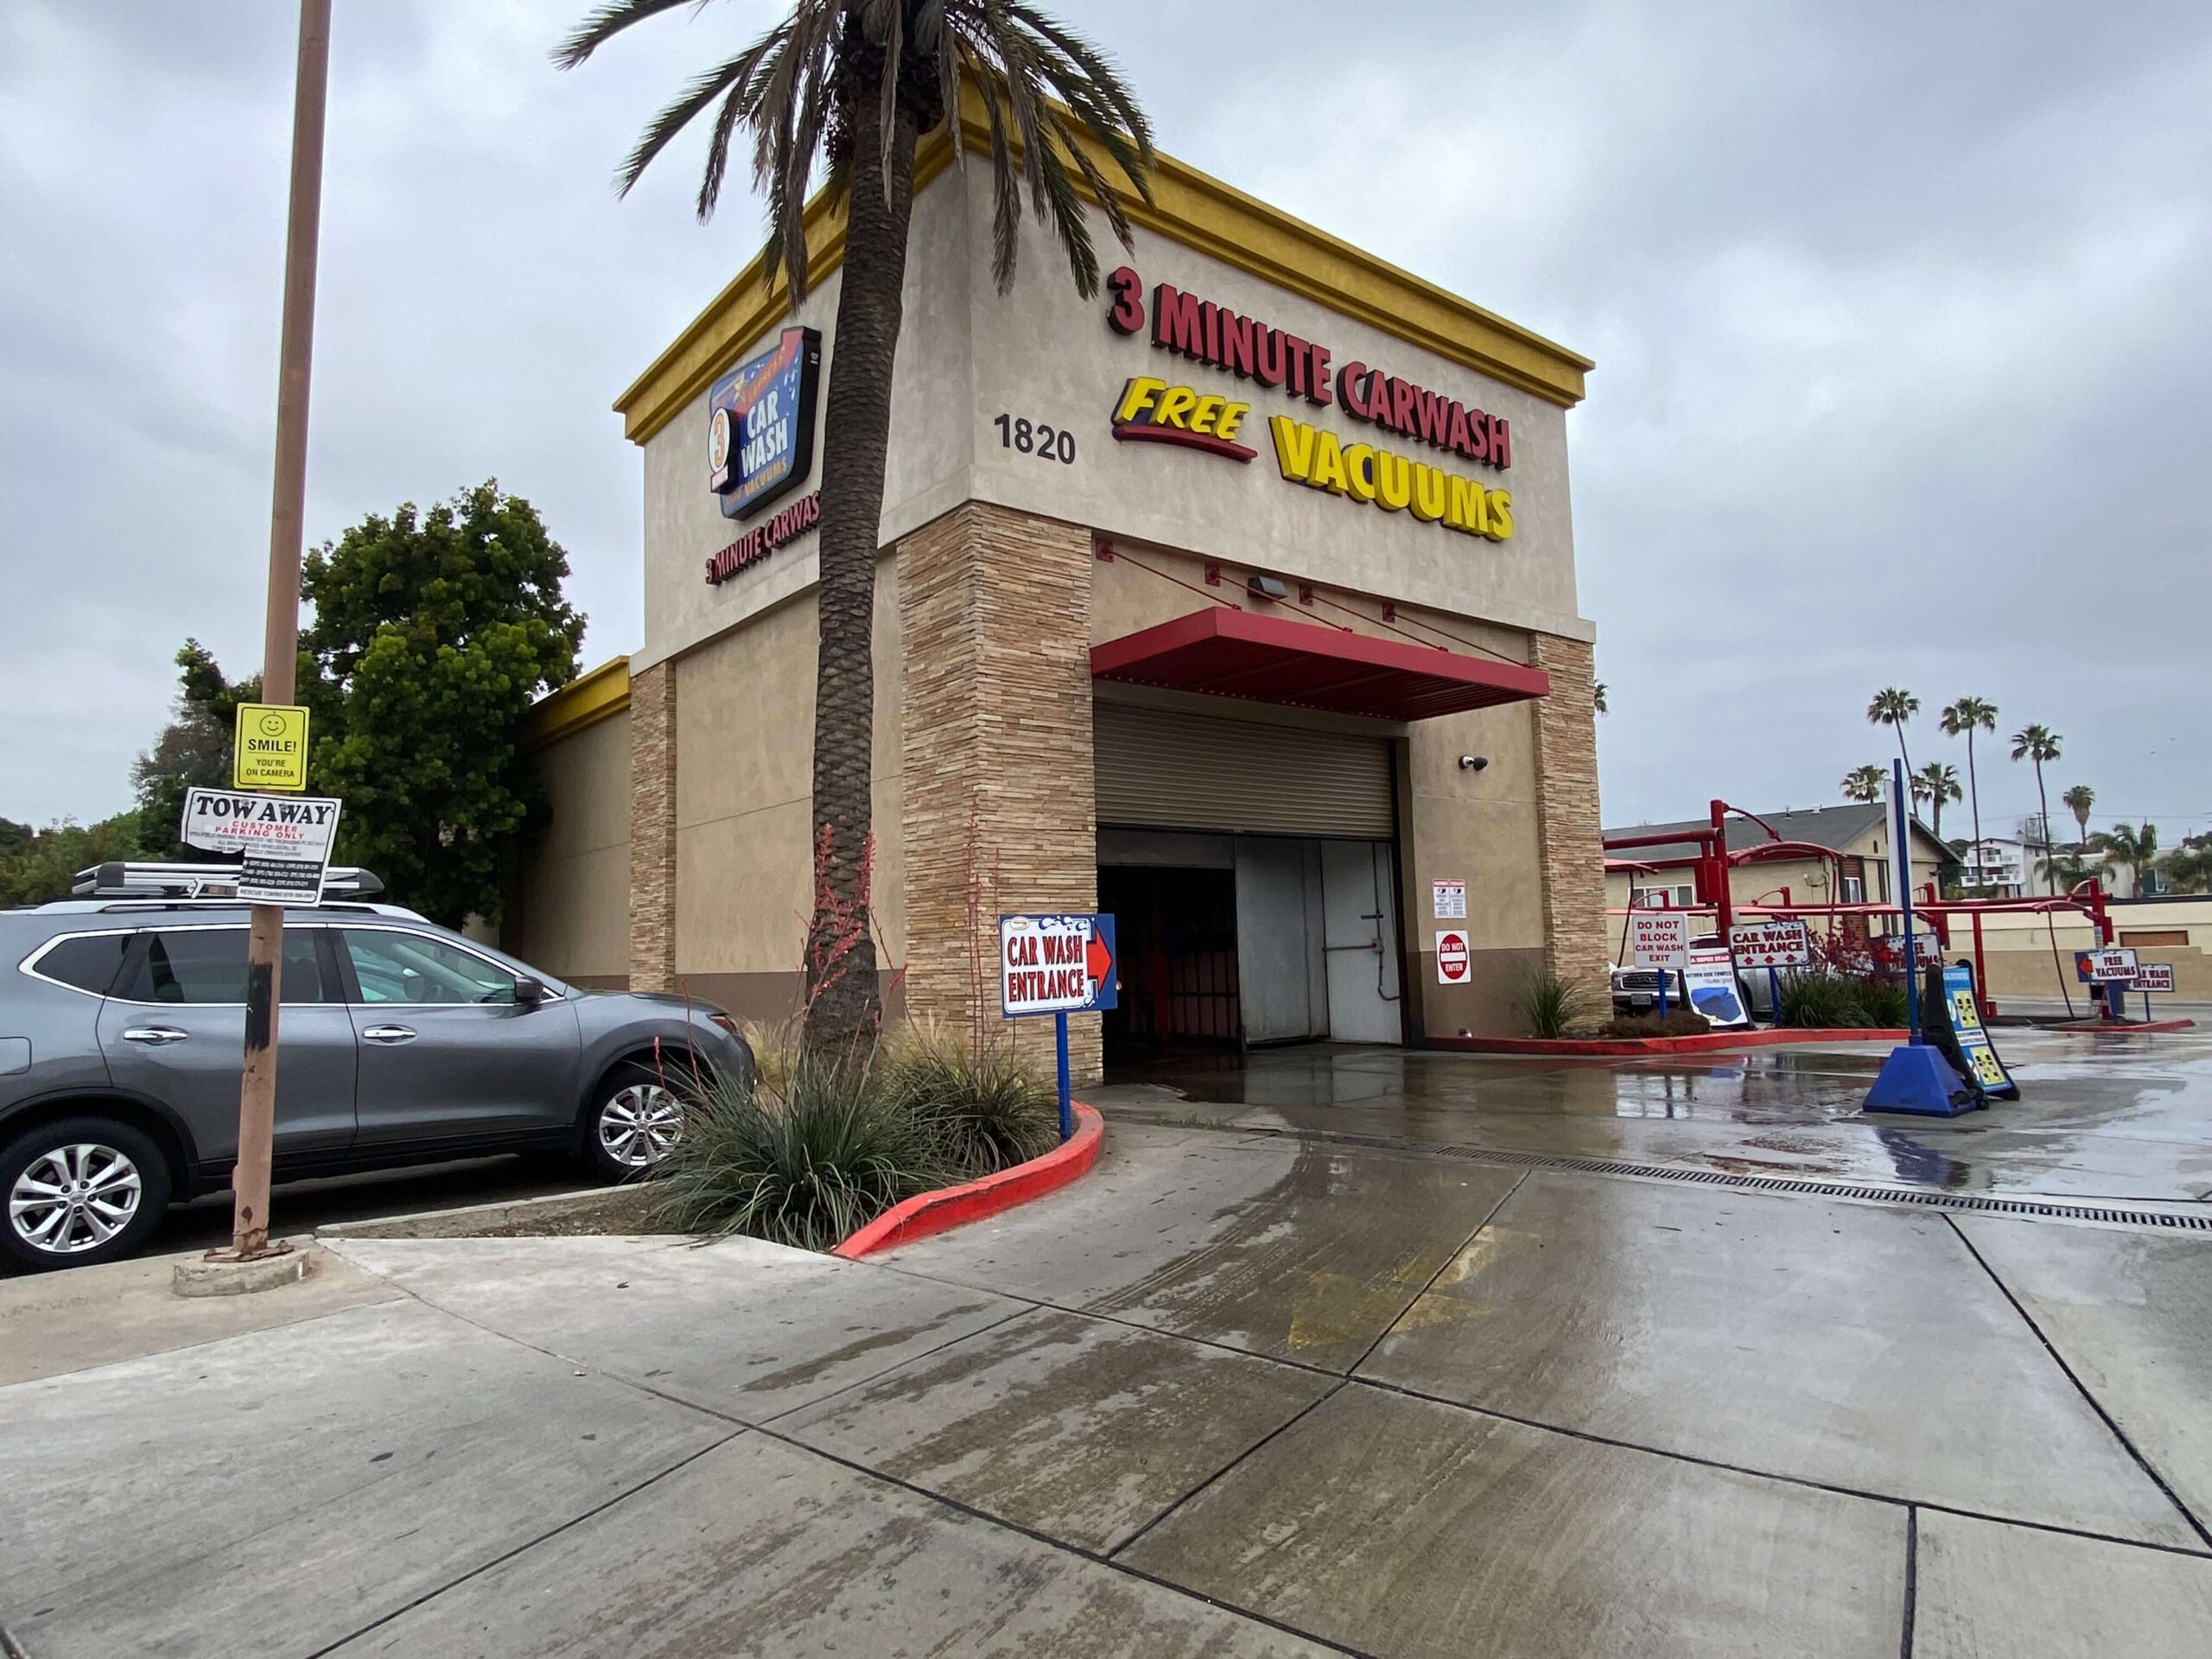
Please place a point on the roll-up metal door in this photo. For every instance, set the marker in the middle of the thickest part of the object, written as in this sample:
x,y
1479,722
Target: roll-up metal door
x,y
1171,770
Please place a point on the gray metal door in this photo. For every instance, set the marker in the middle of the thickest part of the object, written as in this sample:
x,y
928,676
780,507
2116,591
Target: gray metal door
x,y
173,1030
1166,770
447,1052
1362,933
1282,983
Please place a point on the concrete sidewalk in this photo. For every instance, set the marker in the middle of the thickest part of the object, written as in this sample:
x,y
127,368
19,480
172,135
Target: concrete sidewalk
x,y
1234,1394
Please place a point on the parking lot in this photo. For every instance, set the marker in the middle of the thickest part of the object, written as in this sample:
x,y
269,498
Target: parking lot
x,y
1340,1350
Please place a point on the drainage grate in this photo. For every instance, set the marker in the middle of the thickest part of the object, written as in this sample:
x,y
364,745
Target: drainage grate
x,y
2184,1222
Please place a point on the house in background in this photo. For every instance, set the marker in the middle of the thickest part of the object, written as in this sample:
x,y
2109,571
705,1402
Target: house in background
x,y
1858,865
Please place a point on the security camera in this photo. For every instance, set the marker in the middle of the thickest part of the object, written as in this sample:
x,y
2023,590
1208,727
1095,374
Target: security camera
x,y
1262,587
1473,762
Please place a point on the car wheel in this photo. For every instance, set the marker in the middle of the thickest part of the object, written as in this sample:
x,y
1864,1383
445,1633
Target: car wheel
x,y
635,1118
80,1190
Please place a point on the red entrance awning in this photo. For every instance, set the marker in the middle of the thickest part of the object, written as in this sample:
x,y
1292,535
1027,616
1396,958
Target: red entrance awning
x,y
1233,653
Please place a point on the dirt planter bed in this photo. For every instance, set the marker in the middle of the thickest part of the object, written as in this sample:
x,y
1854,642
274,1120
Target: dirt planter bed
x,y
954,1206
1705,1042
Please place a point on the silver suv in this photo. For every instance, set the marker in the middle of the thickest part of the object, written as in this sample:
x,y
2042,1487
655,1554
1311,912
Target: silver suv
x,y
122,1024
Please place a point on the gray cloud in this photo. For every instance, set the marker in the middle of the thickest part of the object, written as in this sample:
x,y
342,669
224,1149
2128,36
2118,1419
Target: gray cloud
x,y
1898,308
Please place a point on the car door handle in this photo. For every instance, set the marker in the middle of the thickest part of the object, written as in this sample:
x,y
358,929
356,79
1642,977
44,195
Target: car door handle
x,y
154,1036
389,1034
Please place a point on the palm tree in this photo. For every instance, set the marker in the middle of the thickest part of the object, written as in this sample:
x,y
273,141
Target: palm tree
x,y
1936,783
1597,698
1967,715
849,86
1892,707
2136,850
2038,744
2189,867
1865,783
2078,800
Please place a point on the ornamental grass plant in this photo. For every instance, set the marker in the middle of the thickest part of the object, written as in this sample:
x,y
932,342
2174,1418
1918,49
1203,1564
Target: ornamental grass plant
x,y
820,1143
1550,1004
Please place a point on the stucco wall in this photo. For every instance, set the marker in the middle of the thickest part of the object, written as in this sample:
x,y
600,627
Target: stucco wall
x,y
569,912
744,779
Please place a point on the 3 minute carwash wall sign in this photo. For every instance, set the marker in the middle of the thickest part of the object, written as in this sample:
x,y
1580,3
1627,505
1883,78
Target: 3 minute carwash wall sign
x,y
1153,409
761,424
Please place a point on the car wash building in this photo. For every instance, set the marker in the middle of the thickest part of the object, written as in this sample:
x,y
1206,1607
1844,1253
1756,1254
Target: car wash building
x,y
1238,601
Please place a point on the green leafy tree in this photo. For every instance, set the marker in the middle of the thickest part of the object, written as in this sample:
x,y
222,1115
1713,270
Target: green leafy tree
x,y
2189,867
1865,783
2134,851
2064,871
2079,800
1936,783
1963,719
38,865
433,633
193,750
849,86
2038,744
1892,708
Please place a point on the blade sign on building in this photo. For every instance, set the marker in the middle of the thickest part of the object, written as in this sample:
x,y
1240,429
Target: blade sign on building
x,y
761,424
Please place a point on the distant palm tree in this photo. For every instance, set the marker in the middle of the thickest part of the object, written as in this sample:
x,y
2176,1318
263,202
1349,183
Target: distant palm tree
x,y
1936,783
1865,783
2189,867
2078,800
2134,851
1892,707
1967,715
848,86
2038,744
1597,698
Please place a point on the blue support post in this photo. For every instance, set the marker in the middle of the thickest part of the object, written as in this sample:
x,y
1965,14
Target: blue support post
x,y
1067,1106
1901,799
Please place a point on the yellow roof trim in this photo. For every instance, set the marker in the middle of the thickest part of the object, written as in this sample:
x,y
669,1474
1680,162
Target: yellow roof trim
x,y
1188,207
598,694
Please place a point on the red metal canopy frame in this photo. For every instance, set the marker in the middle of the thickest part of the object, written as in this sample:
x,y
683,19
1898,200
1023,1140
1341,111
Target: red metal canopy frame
x,y
1233,653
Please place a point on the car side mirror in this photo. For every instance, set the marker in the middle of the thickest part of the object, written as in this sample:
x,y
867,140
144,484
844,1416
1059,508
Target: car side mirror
x,y
529,992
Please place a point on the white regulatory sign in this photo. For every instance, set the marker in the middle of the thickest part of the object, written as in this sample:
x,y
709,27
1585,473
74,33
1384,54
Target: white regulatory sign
x,y
1451,901
1772,944
283,839
1659,939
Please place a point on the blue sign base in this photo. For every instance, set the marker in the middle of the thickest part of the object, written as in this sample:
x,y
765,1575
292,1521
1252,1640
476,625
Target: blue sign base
x,y
1919,1080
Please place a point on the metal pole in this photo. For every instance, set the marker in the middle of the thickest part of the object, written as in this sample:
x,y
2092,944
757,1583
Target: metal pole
x,y
281,637
1067,1106
1902,803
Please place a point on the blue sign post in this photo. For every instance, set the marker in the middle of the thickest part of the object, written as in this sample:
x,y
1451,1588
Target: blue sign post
x,y
1916,1078
1058,964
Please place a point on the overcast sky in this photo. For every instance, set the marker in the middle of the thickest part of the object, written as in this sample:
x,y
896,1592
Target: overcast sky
x,y
1900,312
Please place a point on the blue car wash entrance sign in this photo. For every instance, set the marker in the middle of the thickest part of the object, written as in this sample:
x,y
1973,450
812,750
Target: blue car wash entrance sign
x,y
1057,964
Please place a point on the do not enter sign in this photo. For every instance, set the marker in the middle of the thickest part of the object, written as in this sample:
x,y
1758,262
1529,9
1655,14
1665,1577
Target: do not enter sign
x,y
1452,956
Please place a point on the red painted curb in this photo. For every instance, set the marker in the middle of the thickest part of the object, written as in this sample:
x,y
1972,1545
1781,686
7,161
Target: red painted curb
x,y
2111,1028
954,1206
1705,1042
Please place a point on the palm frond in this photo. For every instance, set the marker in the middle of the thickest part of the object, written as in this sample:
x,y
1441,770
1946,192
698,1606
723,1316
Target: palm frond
x,y
732,74
603,25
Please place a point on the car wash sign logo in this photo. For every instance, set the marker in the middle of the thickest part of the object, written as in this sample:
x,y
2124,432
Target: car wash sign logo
x,y
761,424
1055,964
1431,486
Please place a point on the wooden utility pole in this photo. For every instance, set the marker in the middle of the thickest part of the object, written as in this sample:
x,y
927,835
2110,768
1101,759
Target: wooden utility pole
x,y
281,640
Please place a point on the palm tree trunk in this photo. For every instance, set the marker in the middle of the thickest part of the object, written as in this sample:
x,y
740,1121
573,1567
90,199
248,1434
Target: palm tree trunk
x,y
843,1001
1974,793
2042,805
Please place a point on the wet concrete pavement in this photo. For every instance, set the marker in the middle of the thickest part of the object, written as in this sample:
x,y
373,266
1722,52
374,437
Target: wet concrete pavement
x,y
1240,1391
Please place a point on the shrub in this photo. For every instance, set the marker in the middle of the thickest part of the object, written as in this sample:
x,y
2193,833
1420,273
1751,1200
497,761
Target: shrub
x,y
983,1108
1678,1022
1549,1003
805,1163
1819,997
1883,998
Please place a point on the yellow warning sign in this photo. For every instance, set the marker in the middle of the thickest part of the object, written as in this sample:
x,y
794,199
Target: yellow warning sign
x,y
272,747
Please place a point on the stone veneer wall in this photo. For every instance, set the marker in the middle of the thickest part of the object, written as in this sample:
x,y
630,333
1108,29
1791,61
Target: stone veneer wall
x,y
652,829
1567,810
1000,813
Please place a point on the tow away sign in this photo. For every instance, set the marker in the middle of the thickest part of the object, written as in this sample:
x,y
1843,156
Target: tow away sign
x,y
284,839
1055,964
